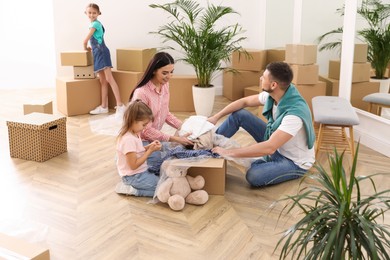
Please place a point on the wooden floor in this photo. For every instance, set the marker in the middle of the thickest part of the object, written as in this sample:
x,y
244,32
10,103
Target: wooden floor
x,y
68,203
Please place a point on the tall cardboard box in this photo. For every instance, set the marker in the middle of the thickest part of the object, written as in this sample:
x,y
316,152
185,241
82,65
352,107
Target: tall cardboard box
x,y
37,136
301,54
77,96
330,85
358,91
276,55
305,74
235,83
360,71
127,81
213,171
40,106
134,59
83,72
256,61
180,89
310,91
17,248
76,58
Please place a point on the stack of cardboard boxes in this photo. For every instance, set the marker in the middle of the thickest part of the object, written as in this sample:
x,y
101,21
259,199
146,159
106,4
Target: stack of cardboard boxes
x,y
246,73
361,85
81,93
302,59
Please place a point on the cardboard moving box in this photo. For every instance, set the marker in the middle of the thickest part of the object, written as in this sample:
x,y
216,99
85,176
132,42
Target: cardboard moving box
x,y
302,54
213,171
235,83
312,90
83,72
253,90
256,62
37,137
360,71
40,106
180,89
277,54
16,248
77,96
134,59
76,58
305,74
330,84
126,80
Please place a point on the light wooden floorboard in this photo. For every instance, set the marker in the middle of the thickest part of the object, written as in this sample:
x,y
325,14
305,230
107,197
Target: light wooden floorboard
x,y
70,201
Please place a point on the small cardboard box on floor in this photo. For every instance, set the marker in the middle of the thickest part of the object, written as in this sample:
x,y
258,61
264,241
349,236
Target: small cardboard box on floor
x,y
16,248
77,96
37,136
126,80
134,59
213,171
40,106
180,89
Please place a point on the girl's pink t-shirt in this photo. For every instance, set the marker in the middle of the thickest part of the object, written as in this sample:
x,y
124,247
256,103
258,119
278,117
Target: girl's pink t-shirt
x,y
126,144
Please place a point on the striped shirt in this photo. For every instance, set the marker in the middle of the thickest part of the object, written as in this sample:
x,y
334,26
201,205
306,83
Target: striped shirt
x,y
159,103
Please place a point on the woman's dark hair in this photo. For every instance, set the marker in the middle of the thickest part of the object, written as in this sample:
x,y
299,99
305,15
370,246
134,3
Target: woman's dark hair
x,y
159,60
281,72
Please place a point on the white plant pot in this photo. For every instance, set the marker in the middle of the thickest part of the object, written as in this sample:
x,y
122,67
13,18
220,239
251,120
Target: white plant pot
x,y
384,84
203,100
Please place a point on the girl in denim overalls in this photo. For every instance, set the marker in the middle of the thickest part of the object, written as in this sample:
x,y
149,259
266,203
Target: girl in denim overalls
x,y
102,62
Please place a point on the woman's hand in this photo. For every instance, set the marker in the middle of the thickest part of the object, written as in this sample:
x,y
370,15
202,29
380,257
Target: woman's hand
x,y
219,150
183,140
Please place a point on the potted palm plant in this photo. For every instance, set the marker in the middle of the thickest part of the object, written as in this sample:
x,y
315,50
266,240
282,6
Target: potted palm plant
x,y
376,34
338,221
204,41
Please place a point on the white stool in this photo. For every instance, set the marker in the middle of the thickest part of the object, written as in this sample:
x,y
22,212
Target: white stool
x,y
378,99
336,113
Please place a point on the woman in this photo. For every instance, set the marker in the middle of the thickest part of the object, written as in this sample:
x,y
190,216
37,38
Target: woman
x,y
153,90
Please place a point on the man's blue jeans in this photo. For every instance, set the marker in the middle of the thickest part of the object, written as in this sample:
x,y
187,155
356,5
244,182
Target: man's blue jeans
x,y
271,170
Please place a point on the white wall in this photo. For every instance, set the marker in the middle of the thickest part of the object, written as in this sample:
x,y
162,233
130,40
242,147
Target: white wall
x,y
30,63
27,56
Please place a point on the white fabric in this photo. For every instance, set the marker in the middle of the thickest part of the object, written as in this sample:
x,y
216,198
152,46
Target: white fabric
x,y
196,125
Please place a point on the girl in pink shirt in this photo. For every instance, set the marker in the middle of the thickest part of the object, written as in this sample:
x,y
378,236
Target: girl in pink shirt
x,y
132,154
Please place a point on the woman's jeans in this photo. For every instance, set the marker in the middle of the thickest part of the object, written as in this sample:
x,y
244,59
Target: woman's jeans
x,y
271,169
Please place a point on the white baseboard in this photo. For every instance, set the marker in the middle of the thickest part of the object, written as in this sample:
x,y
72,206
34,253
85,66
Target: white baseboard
x,y
373,131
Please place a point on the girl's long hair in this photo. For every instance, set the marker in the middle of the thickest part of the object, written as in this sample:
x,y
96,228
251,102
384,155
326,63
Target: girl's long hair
x,y
137,111
159,60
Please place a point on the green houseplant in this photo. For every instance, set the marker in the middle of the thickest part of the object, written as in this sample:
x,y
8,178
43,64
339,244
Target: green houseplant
x,y
338,221
376,34
202,38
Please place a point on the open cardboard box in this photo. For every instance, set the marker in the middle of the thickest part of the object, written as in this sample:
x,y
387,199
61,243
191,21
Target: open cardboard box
x,y
213,171
16,248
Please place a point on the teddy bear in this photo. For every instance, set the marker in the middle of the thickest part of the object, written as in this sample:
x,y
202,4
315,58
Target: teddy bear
x,y
177,188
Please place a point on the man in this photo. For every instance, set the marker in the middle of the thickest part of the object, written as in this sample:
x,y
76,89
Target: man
x,y
285,142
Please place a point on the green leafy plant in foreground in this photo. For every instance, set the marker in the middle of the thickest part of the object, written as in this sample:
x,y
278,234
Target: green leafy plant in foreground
x,y
338,221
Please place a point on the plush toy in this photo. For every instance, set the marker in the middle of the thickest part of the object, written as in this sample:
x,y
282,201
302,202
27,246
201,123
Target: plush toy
x,y
178,188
